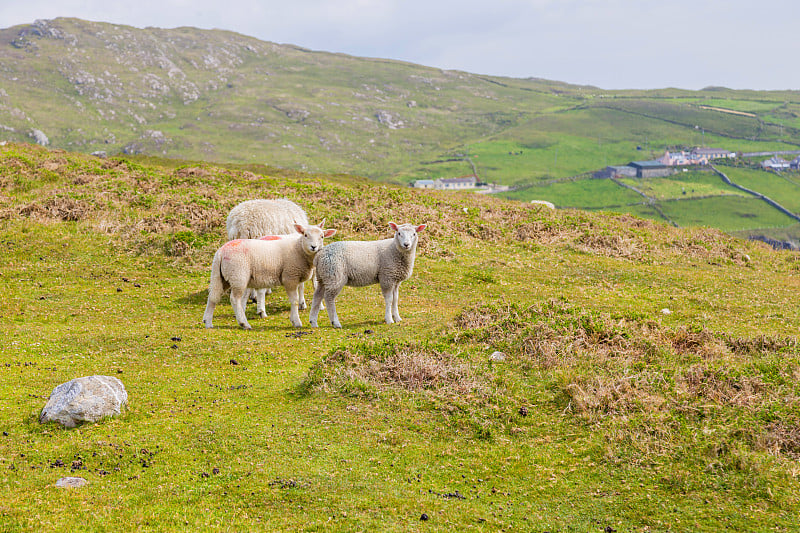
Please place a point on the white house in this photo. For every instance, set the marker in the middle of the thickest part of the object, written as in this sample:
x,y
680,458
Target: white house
x,y
451,184
775,163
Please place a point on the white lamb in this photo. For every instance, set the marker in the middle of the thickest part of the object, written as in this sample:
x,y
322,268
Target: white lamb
x,y
253,219
359,263
251,263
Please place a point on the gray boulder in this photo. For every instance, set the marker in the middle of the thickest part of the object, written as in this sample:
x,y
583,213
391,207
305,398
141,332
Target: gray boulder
x,y
86,399
71,482
40,137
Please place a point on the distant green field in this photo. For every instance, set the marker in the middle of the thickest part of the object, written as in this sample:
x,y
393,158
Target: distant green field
x,y
747,106
783,189
583,194
729,213
690,184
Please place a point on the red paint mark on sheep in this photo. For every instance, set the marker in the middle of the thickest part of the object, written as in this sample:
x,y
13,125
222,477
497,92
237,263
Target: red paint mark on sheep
x,y
270,238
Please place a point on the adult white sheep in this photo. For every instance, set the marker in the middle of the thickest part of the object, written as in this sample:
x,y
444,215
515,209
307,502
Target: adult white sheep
x,y
251,263
253,219
358,263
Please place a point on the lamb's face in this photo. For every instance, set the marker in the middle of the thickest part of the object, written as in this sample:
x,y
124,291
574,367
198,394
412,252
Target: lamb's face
x,y
405,237
313,237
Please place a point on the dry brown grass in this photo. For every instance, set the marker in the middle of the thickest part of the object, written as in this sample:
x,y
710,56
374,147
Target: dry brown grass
x,y
594,354
356,209
57,208
713,386
781,437
411,368
604,395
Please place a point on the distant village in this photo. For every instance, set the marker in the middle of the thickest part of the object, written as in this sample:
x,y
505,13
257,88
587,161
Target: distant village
x,y
666,165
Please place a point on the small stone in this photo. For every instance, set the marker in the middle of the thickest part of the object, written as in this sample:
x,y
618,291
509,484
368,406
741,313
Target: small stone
x,y
71,482
666,311
497,357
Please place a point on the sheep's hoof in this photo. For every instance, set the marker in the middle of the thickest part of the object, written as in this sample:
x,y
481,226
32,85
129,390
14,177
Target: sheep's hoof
x,y
246,326
263,314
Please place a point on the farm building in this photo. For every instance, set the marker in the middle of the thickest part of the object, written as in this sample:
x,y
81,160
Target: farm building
x,y
448,184
616,171
713,153
682,158
464,182
795,163
651,169
775,163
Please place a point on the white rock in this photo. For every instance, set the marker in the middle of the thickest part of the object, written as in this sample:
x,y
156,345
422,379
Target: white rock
x,y
497,357
86,399
71,482
666,311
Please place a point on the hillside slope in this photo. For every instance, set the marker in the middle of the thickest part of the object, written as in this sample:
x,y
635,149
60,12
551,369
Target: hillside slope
x,y
222,96
608,412
216,95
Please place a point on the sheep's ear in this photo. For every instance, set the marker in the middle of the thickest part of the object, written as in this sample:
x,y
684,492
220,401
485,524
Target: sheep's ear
x,y
421,227
329,233
321,224
393,226
299,228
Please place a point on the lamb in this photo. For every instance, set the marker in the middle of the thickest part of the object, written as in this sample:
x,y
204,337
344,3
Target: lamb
x,y
359,263
252,263
253,219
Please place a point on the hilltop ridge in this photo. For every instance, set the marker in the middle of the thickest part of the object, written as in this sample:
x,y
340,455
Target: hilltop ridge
x,y
218,95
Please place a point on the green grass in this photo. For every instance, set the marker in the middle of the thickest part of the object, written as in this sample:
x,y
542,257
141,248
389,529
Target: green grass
x,y
607,413
683,185
581,194
784,188
733,213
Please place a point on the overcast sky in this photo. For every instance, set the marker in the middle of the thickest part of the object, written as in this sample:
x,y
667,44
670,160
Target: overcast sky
x,y
613,44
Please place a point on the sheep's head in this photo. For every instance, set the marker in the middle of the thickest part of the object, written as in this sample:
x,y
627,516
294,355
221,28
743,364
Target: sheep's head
x,y
313,236
405,235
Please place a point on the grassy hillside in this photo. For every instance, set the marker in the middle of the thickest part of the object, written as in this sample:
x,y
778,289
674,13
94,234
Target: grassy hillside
x,y
608,414
218,96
